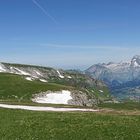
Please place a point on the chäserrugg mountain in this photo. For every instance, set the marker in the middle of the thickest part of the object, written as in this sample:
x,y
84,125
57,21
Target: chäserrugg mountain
x,y
25,83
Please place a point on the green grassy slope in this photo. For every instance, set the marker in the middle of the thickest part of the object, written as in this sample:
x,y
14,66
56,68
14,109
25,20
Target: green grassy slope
x,y
17,88
27,125
14,85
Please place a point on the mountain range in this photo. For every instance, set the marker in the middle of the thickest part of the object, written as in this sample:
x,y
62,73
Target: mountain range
x,y
25,82
123,78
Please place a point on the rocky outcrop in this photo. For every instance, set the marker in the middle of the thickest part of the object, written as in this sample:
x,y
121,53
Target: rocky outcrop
x,y
78,98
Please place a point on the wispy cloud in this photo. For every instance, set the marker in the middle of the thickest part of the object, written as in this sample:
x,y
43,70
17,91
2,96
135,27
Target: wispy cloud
x,y
44,11
89,47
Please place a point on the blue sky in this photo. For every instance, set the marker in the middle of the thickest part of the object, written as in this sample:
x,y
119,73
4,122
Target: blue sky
x,y
69,33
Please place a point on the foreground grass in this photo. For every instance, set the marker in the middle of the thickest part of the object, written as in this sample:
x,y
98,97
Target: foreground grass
x,y
28,125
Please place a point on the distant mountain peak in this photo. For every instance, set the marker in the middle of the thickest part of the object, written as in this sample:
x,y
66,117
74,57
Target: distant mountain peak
x,y
135,62
136,57
122,71
123,78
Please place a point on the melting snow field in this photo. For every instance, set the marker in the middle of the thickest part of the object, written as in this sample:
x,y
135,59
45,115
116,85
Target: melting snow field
x,y
55,98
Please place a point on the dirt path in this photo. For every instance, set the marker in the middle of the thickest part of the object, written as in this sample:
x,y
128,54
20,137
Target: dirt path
x,y
38,108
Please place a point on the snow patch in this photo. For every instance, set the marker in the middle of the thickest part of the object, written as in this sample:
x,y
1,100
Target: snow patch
x,y
29,78
101,91
1,68
43,80
69,77
59,74
112,65
117,66
38,73
21,72
38,108
55,97
11,70
35,77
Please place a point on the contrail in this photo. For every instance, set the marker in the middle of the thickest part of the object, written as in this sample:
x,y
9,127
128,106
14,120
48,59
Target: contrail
x,y
44,11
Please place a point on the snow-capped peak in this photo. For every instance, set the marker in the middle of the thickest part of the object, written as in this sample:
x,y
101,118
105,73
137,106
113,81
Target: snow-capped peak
x,y
114,66
135,62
